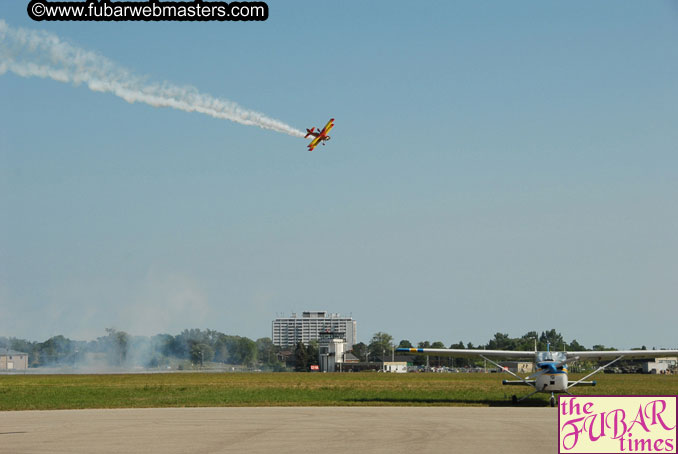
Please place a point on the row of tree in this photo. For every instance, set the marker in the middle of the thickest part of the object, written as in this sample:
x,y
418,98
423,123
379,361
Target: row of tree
x,y
119,349
381,347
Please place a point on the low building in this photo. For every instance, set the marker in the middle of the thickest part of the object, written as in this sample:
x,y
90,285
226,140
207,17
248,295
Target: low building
x,y
13,360
350,358
660,365
519,367
395,367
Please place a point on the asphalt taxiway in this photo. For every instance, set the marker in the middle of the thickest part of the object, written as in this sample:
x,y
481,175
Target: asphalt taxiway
x,y
280,430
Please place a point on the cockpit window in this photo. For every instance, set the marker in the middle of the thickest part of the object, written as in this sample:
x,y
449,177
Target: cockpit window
x,y
551,356
544,356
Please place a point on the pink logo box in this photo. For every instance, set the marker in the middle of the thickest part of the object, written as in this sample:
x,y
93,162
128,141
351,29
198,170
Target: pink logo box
x,y
617,424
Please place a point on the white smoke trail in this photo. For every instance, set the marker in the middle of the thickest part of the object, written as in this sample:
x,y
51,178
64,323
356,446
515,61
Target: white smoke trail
x,y
41,54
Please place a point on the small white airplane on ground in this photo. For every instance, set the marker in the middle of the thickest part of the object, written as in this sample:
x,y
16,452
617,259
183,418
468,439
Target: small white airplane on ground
x,y
551,367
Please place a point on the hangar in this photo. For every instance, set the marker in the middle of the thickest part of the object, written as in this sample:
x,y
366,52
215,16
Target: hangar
x,y
13,360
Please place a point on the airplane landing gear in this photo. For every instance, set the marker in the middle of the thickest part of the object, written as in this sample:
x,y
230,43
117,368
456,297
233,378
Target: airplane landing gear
x,y
514,399
553,400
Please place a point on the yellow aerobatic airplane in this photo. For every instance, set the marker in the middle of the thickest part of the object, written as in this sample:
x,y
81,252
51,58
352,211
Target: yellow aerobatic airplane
x,y
320,136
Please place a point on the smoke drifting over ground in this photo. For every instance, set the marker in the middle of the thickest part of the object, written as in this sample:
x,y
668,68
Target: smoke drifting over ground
x,y
31,53
118,352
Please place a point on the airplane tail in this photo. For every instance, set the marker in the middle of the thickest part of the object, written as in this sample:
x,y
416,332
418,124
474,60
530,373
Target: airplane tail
x,y
309,132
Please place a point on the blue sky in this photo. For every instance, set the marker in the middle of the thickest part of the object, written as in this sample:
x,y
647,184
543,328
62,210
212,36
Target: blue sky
x,y
495,167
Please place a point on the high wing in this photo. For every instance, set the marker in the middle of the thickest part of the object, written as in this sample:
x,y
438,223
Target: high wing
x,y
465,353
328,126
627,354
583,355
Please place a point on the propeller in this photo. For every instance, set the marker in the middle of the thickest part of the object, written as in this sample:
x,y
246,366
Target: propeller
x,y
544,369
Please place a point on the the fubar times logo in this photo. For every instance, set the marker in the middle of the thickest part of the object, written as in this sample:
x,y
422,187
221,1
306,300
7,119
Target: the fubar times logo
x,y
617,424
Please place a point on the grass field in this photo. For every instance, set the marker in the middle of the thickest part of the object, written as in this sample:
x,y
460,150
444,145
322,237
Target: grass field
x,y
46,392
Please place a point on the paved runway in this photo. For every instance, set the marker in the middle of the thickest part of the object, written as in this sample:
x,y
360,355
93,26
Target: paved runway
x,y
280,430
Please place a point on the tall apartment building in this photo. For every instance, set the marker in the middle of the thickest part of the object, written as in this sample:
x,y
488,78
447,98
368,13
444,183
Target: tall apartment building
x,y
287,332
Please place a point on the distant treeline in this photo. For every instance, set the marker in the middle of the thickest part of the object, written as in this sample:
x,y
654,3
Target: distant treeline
x,y
197,347
382,343
119,349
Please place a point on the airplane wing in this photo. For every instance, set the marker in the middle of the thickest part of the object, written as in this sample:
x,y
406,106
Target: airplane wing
x,y
627,354
582,355
313,143
465,353
328,126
